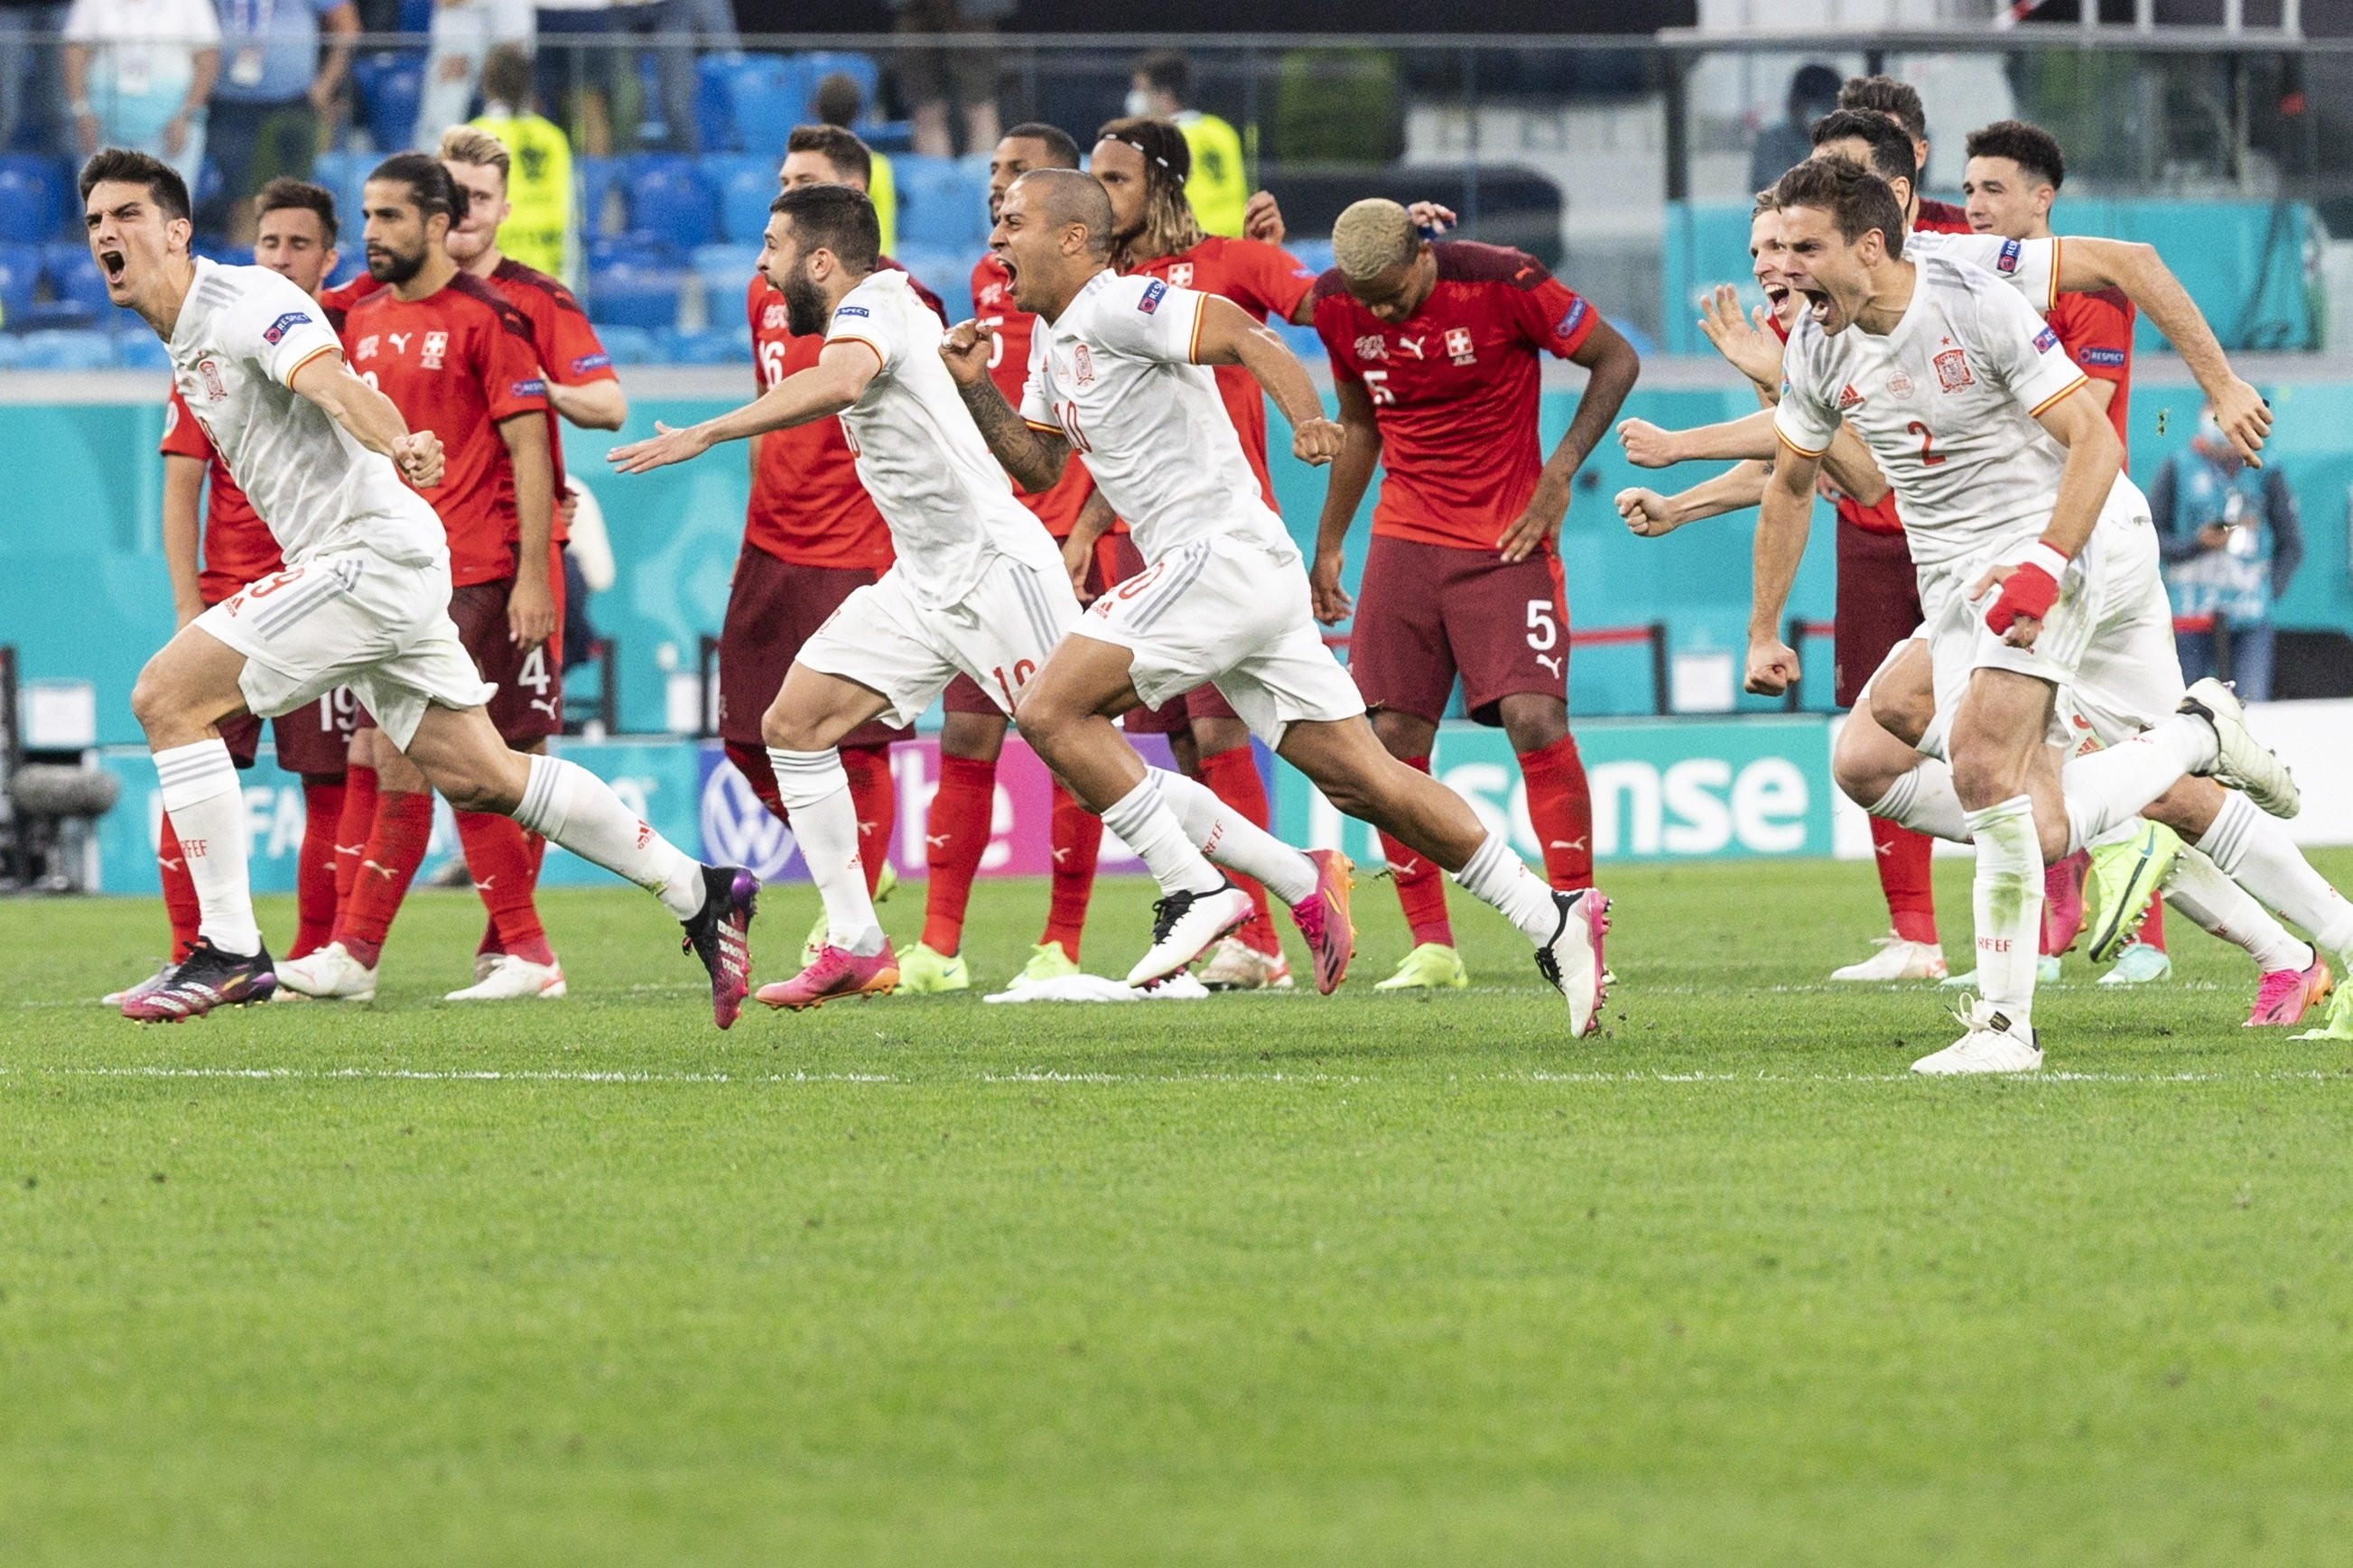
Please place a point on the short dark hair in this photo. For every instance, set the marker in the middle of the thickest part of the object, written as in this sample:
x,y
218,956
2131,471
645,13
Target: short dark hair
x,y
429,182
1058,142
2034,150
839,218
1857,200
1891,150
838,99
1885,95
285,192
1067,197
1170,70
837,146
506,77
164,186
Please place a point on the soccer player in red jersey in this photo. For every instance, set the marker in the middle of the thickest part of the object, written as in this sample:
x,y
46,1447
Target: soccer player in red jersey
x,y
295,237
811,537
1437,349
454,356
1143,163
1900,103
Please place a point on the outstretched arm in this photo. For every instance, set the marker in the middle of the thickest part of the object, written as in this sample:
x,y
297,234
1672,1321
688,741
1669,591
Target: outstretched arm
x,y
368,416
1783,521
591,404
838,379
1032,454
1649,514
1228,336
2083,264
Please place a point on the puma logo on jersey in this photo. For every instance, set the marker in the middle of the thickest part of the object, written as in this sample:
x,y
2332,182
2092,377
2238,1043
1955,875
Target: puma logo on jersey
x,y
399,340
168,863
1412,345
1551,661
1062,855
484,885
938,840
351,848
546,705
1405,867
1577,844
379,868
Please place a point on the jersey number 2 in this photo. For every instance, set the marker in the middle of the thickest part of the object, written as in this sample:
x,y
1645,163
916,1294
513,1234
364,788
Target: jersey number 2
x,y
1929,456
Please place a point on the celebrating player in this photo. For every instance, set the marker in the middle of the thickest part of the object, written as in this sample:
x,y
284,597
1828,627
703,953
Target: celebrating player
x,y
1118,375
1434,348
1899,102
364,601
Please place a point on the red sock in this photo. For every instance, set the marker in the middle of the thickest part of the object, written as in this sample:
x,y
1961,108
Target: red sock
x,y
499,861
1903,857
2152,930
352,830
1077,840
179,889
955,836
877,800
1232,776
314,877
1420,885
1560,809
395,847
752,761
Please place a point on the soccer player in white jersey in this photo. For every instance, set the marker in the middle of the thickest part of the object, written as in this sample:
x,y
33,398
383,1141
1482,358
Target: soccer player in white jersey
x,y
1119,375
364,601
2037,562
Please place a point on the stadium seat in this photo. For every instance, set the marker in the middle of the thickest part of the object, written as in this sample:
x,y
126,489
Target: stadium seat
x,y
390,82
816,65
668,197
714,115
71,349
136,348
626,344
709,345
74,278
633,295
725,271
943,205
602,198
344,174
746,184
639,250
767,97
20,277
29,206
1315,255
948,273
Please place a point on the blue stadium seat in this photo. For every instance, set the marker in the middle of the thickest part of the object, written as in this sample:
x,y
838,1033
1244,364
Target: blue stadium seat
x,y
948,273
943,204
20,276
29,204
390,82
766,96
639,250
710,345
668,197
714,115
344,174
74,278
1315,255
746,184
726,271
628,345
600,181
84,349
139,349
631,295
816,65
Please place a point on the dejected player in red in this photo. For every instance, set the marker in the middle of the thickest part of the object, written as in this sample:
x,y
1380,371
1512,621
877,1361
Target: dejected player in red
x,y
811,538
1437,350
295,237
454,357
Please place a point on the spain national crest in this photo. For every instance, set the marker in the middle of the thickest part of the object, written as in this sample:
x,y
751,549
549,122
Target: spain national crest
x,y
1953,370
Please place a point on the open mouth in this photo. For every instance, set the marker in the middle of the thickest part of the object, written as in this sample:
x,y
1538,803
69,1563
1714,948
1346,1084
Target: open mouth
x,y
1775,294
112,262
1818,304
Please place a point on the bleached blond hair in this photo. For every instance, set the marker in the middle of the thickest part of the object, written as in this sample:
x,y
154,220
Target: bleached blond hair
x,y
476,148
1372,236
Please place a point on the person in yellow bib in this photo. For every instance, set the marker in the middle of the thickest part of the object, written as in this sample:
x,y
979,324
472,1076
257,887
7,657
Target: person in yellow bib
x,y
542,231
1161,85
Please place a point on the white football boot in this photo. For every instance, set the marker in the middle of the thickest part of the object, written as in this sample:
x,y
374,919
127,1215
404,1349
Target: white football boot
x,y
1236,965
1896,959
1183,926
331,973
510,978
1992,1045
1572,960
2242,762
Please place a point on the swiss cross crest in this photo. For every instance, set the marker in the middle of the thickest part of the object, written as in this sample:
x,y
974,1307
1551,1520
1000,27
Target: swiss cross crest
x,y
773,319
1082,364
435,346
1848,397
990,296
1953,370
1181,275
213,387
1372,345
1458,345
366,349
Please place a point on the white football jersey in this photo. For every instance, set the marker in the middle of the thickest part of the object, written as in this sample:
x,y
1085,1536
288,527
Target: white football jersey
x,y
920,456
2030,265
1115,376
243,333
1947,403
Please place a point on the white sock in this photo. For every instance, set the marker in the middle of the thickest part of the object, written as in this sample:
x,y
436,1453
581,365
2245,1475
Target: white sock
x,y
1923,800
1496,875
816,792
566,803
2200,890
1144,823
1233,840
2007,896
2254,851
207,808
2111,785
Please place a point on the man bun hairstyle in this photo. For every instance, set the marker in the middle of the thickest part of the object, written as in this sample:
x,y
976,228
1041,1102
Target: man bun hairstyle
x,y
1891,150
1885,95
1060,146
839,218
852,158
2034,150
286,193
1373,236
429,182
124,166
1857,200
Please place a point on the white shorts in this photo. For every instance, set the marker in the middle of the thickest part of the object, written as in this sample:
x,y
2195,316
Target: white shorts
x,y
1233,613
355,619
884,640
2106,646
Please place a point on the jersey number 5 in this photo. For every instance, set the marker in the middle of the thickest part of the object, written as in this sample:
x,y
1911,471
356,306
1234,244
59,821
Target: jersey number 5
x,y
1376,383
1929,456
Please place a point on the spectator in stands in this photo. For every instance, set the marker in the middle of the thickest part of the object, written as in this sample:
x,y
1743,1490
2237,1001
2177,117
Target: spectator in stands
x,y
2232,541
588,70
1161,85
28,78
926,72
542,231
464,34
278,98
838,101
137,75
1813,93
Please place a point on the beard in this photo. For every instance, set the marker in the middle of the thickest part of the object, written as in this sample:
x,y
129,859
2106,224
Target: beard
x,y
804,307
391,266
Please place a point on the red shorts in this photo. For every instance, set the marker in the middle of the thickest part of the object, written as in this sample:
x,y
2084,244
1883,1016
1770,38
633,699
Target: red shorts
x,y
314,740
1116,560
1426,613
1878,605
773,607
529,703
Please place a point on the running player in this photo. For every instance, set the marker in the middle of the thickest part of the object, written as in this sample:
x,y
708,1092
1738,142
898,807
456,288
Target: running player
x,y
1435,349
2036,565
295,237
453,355
363,602
1899,101
1118,375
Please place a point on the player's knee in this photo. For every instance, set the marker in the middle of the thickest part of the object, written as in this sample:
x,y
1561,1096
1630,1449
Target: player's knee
x,y
1901,711
1982,778
150,697
1531,723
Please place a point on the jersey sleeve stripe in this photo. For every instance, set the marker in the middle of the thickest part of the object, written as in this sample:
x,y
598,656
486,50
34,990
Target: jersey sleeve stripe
x,y
2051,294
1782,435
1048,429
1193,348
296,368
880,359
2081,380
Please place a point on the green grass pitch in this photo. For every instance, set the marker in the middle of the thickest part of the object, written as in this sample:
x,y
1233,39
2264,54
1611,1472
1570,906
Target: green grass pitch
x,y
1257,1280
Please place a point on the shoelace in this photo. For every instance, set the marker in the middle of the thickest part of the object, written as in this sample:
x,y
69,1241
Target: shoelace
x,y
1166,912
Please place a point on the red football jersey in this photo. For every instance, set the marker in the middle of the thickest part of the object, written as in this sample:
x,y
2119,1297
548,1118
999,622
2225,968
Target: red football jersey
x,y
1265,281
2096,331
239,548
570,353
1941,218
1008,366
338,300
1454,388
808,507
456,363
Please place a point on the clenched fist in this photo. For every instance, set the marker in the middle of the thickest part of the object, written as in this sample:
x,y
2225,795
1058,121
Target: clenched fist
x,y
419,453
966,349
